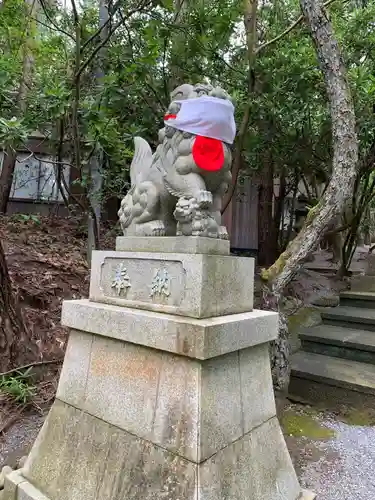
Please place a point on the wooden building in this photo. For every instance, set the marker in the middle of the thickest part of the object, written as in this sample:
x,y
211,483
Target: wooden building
x,y
34,188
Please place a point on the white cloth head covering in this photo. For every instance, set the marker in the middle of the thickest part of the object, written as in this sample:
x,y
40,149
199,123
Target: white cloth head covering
x,y
206,116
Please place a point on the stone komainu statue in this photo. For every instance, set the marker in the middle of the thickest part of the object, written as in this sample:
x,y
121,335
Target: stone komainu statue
x,y
178,190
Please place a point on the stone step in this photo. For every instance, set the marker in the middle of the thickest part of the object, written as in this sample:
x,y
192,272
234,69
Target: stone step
x,y
362,283
336,341
350,317
365,300
316,377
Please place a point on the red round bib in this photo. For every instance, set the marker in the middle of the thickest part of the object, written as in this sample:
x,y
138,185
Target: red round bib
x,y
208,153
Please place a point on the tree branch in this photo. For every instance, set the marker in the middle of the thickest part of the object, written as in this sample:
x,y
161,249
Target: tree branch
x,y
105,40
75,12
44,160
104,25
31,365
288,30
53,27
57,28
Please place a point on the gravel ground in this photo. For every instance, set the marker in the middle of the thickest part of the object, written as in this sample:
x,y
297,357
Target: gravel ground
x,y
346,467
17,441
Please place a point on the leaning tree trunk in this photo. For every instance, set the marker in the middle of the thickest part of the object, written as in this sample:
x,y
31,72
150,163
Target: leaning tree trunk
x,y
16,345
339,190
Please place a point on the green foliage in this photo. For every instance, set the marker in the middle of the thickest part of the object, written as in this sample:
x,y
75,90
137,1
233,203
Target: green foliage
x,y
27,218
18,386
12,132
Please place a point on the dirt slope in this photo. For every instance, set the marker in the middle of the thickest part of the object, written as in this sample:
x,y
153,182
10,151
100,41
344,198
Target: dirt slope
x,y
46,261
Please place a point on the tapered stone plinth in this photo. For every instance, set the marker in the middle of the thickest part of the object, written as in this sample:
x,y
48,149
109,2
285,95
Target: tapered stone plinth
x,y
166,390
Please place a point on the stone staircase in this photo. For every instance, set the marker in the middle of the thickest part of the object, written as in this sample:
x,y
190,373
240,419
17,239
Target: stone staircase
x,y
337,358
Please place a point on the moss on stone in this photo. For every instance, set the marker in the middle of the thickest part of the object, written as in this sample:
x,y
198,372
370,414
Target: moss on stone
x,y
305,316
363,417
304,425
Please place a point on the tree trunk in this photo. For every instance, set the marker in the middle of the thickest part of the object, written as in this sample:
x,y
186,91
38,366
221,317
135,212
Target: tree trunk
x,y
59,167
250,23
266,234
16,346
339,190
9,164
96,161
178,62
6,178
278,218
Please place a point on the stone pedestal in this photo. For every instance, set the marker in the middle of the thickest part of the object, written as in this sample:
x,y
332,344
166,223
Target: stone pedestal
x,y
165,391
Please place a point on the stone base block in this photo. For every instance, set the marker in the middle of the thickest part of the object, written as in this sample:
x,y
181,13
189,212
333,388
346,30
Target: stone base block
x,y
195,338
193,408
198,286
11,483
79,457
173,244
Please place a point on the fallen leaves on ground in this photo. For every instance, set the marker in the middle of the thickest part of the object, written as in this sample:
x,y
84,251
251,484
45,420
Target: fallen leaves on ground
x,y
47,264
